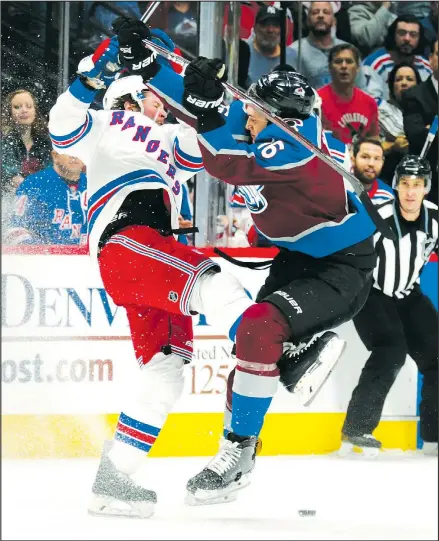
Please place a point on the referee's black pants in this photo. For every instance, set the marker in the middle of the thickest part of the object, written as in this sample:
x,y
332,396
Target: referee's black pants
x,y
390,328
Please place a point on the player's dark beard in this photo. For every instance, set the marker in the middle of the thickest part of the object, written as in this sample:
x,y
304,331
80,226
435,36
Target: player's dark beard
x,y
366,182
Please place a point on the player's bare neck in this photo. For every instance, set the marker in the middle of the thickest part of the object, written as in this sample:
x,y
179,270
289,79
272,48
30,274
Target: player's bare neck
x,y
343,90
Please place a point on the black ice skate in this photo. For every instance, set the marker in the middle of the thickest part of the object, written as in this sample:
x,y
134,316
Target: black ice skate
x,y
365,444
226,473
115,493
305,368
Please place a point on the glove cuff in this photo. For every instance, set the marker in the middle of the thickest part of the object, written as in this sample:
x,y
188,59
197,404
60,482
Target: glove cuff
x,y
210,121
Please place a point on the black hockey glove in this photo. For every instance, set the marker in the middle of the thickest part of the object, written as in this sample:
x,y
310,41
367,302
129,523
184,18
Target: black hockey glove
x,y
133,55
203,91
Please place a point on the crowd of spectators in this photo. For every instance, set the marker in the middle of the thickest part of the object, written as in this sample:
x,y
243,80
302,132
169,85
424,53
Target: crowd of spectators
x,y
374,64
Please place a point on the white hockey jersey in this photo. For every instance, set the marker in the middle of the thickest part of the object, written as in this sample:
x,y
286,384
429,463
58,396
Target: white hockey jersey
x,y
124,151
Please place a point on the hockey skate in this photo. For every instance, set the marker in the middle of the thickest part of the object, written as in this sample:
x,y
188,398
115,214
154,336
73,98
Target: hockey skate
x,y
114,493
305,368
366,444
228,472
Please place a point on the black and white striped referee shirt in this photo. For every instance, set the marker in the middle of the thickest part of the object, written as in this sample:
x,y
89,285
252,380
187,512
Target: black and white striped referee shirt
x,y
400,262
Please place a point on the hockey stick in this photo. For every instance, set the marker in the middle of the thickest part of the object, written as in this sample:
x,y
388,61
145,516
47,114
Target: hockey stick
x,y
380,224
283,34
430,137
149,11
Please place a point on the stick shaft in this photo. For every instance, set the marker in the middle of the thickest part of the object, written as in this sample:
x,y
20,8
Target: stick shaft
x,y
430,137
149,11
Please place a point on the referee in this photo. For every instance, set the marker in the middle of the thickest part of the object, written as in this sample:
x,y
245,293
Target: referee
x,y
398,319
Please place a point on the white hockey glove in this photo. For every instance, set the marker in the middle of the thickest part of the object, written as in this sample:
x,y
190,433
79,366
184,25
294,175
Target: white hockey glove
x,y
100,68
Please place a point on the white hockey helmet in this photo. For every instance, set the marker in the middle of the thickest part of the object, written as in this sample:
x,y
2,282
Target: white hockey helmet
x,y
133,85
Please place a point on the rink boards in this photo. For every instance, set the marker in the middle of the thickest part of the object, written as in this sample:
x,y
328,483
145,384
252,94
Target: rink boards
x,y
67,362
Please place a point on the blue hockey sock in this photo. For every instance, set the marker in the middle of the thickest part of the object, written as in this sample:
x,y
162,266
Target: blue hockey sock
x,y
253,391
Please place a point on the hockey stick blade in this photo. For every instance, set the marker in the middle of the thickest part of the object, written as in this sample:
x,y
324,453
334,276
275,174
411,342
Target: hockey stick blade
x,y
379,222
430,137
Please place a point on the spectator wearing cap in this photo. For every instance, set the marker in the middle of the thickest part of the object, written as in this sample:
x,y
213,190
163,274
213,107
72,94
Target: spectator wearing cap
x,y
264,44
404,42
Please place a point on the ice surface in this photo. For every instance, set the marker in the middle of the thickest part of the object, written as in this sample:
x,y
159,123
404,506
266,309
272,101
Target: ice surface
x,y
392,497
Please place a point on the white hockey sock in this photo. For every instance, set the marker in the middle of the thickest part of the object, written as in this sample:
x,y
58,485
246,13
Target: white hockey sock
x,y
126,458
151,398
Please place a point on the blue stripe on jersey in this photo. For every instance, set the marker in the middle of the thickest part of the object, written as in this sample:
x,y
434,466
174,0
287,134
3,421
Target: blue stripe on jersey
x,y
330,237
99,199
186,161
384,191
385,66
78,90
378,199
138,425
66,141
370,59
337,149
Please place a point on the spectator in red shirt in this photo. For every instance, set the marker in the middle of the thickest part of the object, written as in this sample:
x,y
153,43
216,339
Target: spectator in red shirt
x,y
347,110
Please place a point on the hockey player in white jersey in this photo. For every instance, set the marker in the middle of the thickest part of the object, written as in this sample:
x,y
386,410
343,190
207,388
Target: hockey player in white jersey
x,y
135,170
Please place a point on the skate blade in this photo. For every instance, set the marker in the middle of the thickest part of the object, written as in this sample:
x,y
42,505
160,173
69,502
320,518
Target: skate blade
x,y
107,506
348,449
311,382
211,497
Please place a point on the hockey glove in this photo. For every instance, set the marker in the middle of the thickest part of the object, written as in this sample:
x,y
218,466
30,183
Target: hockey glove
x,y
100,68
138,59
203,91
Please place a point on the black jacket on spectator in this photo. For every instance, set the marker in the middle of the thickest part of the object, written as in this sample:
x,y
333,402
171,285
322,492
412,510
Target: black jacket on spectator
x,y
17,161
419,107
